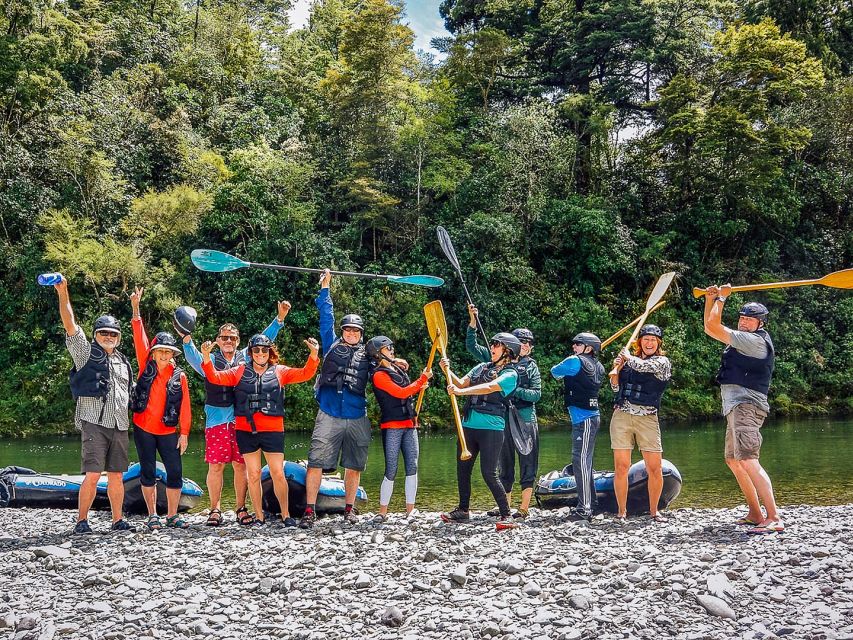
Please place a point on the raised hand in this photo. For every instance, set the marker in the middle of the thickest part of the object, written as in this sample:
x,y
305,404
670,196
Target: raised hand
x,y
314,346
135,297
325,279
283,309
206,348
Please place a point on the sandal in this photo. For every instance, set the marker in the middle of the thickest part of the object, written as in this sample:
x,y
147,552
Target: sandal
x,y
153,523
175,522
659,517
748,522
774,526
215,518
244,517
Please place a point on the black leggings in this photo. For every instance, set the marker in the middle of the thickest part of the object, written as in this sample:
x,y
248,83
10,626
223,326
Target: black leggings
x,y
527,465
147,447
487,444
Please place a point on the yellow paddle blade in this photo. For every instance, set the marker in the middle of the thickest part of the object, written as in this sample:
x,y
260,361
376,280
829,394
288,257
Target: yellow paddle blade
x,y
436,324
840,279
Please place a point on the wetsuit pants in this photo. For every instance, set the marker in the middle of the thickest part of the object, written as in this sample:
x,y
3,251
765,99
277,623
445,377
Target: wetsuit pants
x,y
527,465
583,446
485,444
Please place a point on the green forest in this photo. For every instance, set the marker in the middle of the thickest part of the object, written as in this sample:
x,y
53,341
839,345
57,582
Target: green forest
x,y
573,150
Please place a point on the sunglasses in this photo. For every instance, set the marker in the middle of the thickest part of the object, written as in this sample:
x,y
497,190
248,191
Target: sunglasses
x,y
228,338
525,341
107,334
260,349
495,343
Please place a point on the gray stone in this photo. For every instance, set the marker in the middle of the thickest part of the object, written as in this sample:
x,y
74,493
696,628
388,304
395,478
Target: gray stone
x,y
460,575
719,586
490,630
513,566
579,602
265,586
532,589
28,622
392,616
362,581
51,551
716,607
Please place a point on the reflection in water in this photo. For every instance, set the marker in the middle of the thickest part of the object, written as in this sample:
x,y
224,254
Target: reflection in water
x,y
808,461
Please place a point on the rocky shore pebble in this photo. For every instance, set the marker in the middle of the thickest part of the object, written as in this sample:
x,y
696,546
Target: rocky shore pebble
x,y
696,576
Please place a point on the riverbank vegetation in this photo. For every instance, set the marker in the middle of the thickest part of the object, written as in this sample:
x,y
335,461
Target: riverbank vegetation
x,y
574,151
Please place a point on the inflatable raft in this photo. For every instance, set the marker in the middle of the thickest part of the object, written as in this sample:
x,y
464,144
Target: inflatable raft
x,y
559,489
22,487
330,499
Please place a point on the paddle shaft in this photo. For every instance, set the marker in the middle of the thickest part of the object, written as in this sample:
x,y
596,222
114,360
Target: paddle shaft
x,y
281,267
698,293
464,454
423,390
629,325
471,302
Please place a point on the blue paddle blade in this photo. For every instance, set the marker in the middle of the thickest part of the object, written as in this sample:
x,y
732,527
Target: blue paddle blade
x,y
421,281
216,261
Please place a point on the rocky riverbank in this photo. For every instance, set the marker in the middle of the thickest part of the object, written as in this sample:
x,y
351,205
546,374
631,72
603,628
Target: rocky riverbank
x,y
696,576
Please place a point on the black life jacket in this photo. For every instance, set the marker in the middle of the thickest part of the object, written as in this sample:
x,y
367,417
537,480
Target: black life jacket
x,y
581,390
345,366
174,393
390,408
93,379
492,404
752,373
523,382
641,388
217,395
258,394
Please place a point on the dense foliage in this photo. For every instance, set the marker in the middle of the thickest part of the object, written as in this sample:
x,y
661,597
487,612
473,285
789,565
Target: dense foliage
x,y
574,150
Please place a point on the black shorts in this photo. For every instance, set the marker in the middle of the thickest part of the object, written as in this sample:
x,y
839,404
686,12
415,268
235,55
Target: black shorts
x,y
103,449
266,441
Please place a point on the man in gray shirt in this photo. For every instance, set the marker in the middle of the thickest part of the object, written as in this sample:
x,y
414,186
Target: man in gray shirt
x,y
100,383
744,378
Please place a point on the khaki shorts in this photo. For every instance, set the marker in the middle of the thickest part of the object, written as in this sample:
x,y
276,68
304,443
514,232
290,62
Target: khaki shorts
x,y
743,435
626,430
339,438
103,449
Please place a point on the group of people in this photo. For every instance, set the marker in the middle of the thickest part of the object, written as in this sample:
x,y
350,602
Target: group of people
x,y
244,412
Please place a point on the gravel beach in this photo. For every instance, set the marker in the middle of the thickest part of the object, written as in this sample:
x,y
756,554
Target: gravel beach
x,y
696,576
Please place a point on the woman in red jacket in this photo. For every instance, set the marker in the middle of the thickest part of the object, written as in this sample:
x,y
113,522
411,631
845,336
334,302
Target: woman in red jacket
x,y
161,417
259,410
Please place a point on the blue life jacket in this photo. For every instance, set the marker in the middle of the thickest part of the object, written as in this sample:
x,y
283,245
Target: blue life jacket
x,y
752,373
581,390
93,379
174,393
217,395
393,409
345,366
492,404
641,388
258,394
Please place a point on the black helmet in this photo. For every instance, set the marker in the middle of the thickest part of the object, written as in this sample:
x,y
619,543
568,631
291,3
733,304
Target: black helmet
x,y
590,340
376,344
353,320
509,341
260,340
107,323
754,310
651,330
524,334
165,340
184,320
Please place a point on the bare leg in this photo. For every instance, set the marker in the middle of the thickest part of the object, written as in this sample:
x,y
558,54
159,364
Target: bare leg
x,y
241,483
173,497
621,464
150,496
653,468
526,494
253,472
509,498
215,474
275,461
747,488
312,484
351,480
115,492
86,497
763,486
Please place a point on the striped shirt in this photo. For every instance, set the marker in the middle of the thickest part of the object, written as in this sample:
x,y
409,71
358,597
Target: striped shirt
x,y
112,413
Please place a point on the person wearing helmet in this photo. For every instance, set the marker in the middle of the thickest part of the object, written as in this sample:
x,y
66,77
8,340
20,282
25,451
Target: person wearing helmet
x,y
220,434
259,408
341,429
744,378
639,384
486,388
394,391
101,381
526,395
161,417
582,375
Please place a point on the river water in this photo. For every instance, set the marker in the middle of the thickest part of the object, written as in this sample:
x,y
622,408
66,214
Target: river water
x,y
808,461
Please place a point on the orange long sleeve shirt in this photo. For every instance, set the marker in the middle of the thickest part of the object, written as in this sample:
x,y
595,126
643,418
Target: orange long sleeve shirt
x,y
286,375
151,420
382,381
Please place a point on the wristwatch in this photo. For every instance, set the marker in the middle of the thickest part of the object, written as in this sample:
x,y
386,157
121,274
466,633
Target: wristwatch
x,y
720,298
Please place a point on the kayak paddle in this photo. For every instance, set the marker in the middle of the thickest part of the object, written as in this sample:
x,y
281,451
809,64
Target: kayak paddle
x,y
219,262
450,252
839,280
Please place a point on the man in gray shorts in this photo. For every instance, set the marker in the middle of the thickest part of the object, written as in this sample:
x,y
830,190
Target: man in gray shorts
x,y
100,383
342,429
744,379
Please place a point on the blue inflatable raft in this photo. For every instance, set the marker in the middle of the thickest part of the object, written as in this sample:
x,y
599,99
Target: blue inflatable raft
x,y
559,489
22,487
330,499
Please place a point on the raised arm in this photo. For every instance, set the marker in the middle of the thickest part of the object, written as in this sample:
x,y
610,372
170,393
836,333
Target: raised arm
x,y
65,310
715,301
290,375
